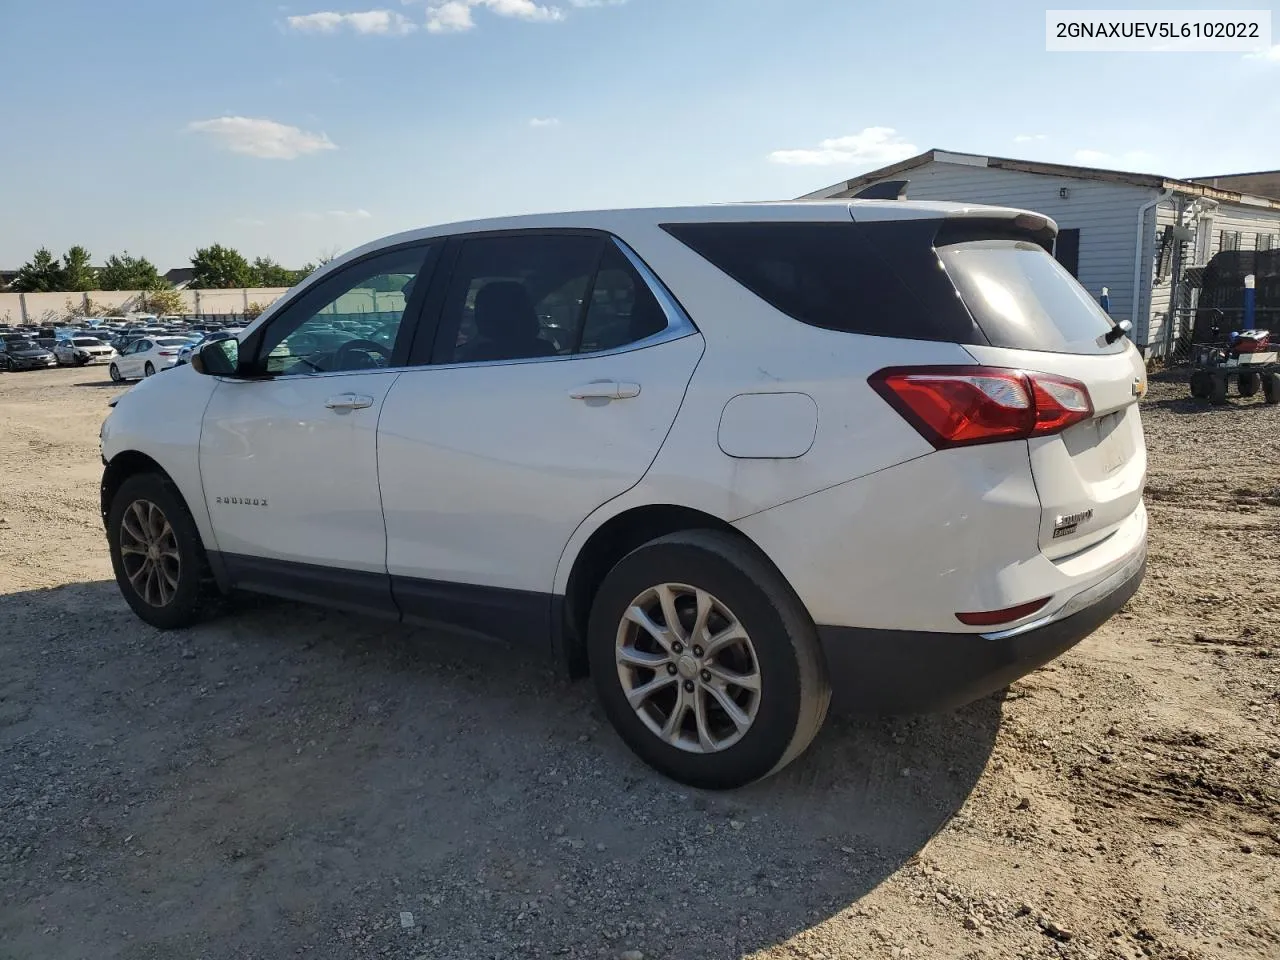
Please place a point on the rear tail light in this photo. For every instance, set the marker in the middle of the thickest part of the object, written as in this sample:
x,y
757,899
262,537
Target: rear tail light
x,y
958,406
168,353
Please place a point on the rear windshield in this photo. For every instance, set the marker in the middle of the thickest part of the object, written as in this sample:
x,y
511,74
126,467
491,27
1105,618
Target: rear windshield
x,y
172,341
87,342
1024,299
886,279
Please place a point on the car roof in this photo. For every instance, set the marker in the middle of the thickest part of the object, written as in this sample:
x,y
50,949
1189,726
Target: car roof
x,y
627,220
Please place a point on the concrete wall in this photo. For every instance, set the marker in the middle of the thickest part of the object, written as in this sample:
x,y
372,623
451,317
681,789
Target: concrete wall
x,y
51,307
1106,214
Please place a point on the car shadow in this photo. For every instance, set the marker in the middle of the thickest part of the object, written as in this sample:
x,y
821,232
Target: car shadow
x,y
98,384
283,780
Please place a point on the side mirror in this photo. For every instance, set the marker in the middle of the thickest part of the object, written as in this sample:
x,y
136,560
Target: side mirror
x,y
218,358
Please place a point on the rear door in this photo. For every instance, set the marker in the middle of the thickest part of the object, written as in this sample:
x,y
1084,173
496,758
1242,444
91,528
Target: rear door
x,y
557,369
1090,477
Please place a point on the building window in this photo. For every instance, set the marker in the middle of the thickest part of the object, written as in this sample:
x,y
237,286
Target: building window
x,y
1266,241
1230,241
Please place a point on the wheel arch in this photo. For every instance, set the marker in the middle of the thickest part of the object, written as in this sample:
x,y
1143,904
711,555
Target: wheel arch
x,y
130,463
603,548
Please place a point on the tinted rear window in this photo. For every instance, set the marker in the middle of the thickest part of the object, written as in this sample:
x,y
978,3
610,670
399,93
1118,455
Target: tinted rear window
x,y
832,275
1025,299
886,279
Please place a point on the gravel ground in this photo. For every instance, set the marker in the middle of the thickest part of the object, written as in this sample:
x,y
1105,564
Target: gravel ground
x,y
285,781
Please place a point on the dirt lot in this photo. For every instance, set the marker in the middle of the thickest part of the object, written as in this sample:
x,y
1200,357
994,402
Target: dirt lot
x,y
289,782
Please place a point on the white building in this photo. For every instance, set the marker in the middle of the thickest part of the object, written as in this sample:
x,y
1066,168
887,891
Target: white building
x,y
1124,231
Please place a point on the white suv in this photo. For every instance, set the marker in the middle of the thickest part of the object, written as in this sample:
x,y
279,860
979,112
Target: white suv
x,y
726,459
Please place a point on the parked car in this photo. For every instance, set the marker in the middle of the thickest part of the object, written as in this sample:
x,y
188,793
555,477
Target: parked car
x,y
145,357
24,354
881,448
78,351
186,352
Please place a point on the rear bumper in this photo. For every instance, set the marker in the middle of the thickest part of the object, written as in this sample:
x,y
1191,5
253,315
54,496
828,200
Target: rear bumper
x,y
901,671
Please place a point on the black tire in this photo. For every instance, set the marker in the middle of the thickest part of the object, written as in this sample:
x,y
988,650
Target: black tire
x,y
1247,383
794,688
1201,384
1271,387
193,590
1218,388
114,371
149,370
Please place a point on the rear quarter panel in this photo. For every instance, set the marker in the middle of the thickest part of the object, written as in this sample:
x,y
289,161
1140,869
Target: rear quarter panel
x,y
754,348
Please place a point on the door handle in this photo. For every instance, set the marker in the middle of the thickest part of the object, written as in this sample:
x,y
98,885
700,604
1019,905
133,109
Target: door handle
x,y
605,390
348,401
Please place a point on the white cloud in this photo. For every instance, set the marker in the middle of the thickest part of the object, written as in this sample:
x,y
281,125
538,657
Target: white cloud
x,y
379,22
545,122
263,138
449,17
596,3
454,16
874,146
1129,160
251,222
1271,53
1030,137
358,214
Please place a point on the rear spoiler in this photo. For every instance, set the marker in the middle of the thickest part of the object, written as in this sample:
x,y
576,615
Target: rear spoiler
x,y
997,225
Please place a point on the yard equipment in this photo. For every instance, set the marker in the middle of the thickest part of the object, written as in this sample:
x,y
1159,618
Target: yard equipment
x,y
1248,355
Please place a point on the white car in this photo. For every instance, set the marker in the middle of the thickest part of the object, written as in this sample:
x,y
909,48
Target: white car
x,y
146,357
78,351
726,459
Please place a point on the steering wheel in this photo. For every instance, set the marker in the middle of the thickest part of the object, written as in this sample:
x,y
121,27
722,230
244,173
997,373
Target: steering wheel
x,y
353,348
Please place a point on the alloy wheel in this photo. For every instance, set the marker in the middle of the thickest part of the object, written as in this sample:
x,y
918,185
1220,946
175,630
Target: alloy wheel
x,y
688,668
149,553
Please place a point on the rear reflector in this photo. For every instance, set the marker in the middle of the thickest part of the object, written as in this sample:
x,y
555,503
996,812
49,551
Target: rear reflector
x,y
991,618
959,406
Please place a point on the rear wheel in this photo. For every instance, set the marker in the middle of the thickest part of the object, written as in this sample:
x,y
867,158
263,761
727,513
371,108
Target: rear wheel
x,y
115,373
149,370
1271,387
1201,383
1247,383
156,552
705,661
1218,388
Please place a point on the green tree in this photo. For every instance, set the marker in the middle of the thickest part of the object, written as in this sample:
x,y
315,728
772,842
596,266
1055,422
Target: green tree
x,y
77,273
123,272
268,273
40,274
219,267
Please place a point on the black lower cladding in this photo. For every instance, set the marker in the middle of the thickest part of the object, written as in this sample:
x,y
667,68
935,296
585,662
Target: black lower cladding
x,y
900,671
517,616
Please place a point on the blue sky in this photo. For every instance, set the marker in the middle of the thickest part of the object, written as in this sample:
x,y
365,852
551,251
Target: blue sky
x,y
294,129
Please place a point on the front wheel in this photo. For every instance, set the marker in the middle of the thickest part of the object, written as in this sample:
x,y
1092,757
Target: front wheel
x,y
1247,383
1271,387
156,552
115,373
705,661
149,370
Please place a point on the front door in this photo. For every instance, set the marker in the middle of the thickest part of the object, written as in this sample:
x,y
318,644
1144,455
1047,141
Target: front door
x,y
288,459
557,370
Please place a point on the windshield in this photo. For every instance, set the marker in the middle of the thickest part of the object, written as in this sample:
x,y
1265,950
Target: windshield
x,y
20,344
1024,299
